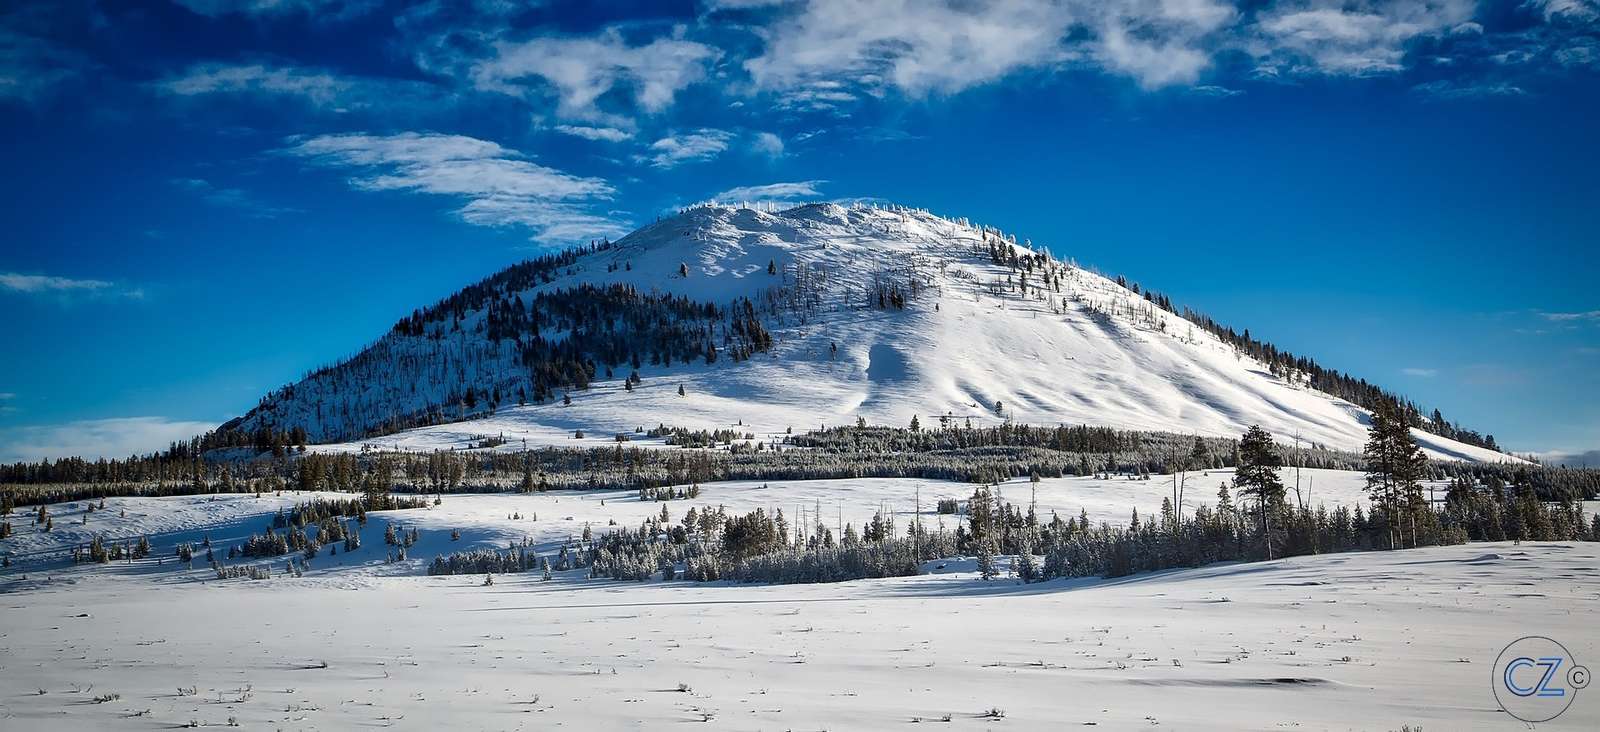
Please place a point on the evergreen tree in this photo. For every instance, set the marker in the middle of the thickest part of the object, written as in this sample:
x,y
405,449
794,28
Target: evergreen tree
x,y
1257,477
986,564
1395,468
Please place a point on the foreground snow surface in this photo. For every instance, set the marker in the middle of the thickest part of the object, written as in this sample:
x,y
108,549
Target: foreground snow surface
x,y
1353,641
1347,641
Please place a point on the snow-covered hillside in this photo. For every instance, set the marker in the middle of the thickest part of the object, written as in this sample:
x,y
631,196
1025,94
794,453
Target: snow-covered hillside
x,y
877,313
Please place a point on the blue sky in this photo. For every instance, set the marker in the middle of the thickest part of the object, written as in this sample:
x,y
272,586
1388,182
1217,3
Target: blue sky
x,y
207,198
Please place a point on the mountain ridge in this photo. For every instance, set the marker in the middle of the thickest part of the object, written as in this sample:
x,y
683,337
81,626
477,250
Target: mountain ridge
x,y
881,312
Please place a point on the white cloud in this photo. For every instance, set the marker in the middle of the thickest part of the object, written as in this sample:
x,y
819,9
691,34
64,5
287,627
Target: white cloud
x,y
1160,42
64,289
779,195
96,438
46,283
925,47
1578,10
1578,53
917,46
501,186
1349,38
674,150
768,144
823,54
1589,316
581,70
1420,372
318,87
605,134
1446,89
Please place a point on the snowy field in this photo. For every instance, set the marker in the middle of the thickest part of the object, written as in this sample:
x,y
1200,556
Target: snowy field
x,y
1346,641
550,519
1349,641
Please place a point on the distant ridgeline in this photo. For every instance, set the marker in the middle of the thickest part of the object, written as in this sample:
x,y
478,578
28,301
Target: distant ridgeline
x,y
956,453
487,346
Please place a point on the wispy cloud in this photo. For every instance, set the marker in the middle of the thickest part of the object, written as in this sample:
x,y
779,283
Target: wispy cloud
x,y
1459,89
1588,316
1420,372
235,198
63,287
96,438
824,54
319,89
603,134
46,283
916,46
580,70
1213,90
768,144
674,150
32,68
1348,39
1578,10
501,186
772,194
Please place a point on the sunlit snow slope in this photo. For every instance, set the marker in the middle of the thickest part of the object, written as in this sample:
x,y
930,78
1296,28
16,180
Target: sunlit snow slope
x,y
1074,348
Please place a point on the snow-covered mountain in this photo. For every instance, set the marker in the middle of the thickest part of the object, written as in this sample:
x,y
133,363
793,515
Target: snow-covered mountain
x,y
813,316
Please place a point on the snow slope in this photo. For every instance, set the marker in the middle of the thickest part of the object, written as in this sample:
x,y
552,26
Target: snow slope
x,y
1086,351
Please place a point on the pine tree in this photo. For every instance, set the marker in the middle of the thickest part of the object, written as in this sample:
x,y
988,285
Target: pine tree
x,y
1395,468
986,564
1027,568
1257,477
1199,457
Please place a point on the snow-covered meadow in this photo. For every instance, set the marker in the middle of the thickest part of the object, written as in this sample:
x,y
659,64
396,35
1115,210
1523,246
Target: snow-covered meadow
x,y
1345,641
548,520
1350,641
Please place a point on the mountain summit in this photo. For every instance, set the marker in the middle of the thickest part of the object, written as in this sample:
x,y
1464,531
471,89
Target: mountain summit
x,y
817,315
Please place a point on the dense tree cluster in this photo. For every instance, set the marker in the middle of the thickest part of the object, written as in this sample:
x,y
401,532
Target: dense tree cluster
x,y
448,364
